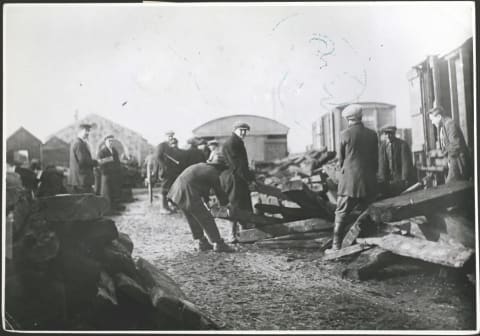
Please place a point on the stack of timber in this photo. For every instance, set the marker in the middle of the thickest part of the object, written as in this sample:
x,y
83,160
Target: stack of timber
x,y
434,225
68,268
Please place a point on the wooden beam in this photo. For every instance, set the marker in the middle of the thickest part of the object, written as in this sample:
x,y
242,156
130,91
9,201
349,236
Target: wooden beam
x,y
271,191
289,214
282,229
421,202
245,217
355,229
437,253
294,244
347,251
302,236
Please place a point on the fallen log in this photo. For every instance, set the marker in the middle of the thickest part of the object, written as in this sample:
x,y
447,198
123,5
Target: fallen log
x,y
437,253
117,259
421,202
367,263
129,290
153,277
293,244
347,251
302,236
68,208
299,193
125,240
271,191
307,225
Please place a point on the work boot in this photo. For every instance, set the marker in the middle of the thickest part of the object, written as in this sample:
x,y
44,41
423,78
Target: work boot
x,y
222,247
204,244
337,238
232,239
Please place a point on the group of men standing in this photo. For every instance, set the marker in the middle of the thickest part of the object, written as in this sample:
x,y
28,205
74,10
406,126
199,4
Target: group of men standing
x,y
81,177
362,166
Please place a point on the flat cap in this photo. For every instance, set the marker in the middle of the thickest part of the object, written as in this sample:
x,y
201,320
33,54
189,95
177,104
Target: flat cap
x,y
389,129
85,126
193,141
110,136
242,125
170,133
353,111
212,142
436,110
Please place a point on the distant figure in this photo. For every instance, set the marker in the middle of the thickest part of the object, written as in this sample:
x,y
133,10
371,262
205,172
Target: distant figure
x,y
110,168
237,180
49,180
169,167
29,179
358,159
150,168
395,167
453,143
193,154
213,147
188,191
80,177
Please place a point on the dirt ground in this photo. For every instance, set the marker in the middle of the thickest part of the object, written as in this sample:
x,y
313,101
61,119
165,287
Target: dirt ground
x,y
262,289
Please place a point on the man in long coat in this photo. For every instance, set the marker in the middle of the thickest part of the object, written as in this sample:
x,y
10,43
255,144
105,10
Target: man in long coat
x,y
188,193
395,166
110,169
358,159
452,142
80,177
237,180
193,155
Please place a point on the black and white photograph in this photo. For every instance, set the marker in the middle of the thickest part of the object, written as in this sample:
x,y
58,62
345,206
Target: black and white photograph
x,y
240,167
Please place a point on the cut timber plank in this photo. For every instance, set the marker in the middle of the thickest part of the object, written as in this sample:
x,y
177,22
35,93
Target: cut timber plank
x,y
287,213
421,202
301,194
295,244
271,191
367,263
307,225
300,236
244,216
354,231
347,251
437,253
68,208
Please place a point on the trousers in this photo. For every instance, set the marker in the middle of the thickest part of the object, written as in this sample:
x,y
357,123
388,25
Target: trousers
x,y
201,222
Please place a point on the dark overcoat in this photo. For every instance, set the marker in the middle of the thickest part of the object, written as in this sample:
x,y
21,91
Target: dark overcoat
x,y
453,143
110,174
168,170
236,178
194,155
402,164
81,165
194,184
358,158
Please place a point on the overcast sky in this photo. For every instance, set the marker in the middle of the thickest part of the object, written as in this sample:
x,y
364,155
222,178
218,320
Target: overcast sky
x,y
157,67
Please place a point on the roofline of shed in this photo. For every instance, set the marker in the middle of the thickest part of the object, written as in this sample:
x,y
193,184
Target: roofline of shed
x,y
241,115
24,129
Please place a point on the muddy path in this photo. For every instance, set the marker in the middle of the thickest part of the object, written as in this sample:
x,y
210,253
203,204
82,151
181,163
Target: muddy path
x,y
262,289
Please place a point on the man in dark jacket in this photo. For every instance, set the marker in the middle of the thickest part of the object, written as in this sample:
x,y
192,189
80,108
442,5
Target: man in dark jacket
x,y
80,177
189,191
358,159
452,142
395,167
193,154
237,180
110,169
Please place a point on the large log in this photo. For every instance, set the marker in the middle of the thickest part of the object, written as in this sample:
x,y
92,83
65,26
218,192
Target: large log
x,y
421,202
302,236
453,228
117,259
307,225
299,193
125,240
438,253
289,214
128,290
367,263
293,244
68,208
153,277
271,191
98,233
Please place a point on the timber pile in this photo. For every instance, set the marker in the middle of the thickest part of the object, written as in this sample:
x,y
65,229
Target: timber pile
x,y
295,207
434,225
68,268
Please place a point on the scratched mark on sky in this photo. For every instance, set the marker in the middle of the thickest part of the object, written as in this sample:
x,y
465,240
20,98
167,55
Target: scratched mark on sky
x,y
325,47
283,20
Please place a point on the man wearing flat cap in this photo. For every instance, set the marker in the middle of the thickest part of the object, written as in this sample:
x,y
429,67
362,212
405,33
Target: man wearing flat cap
x,y
452,142
193,154
110,169
213,147
358,160
237,180
80,177
395,166
189,191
